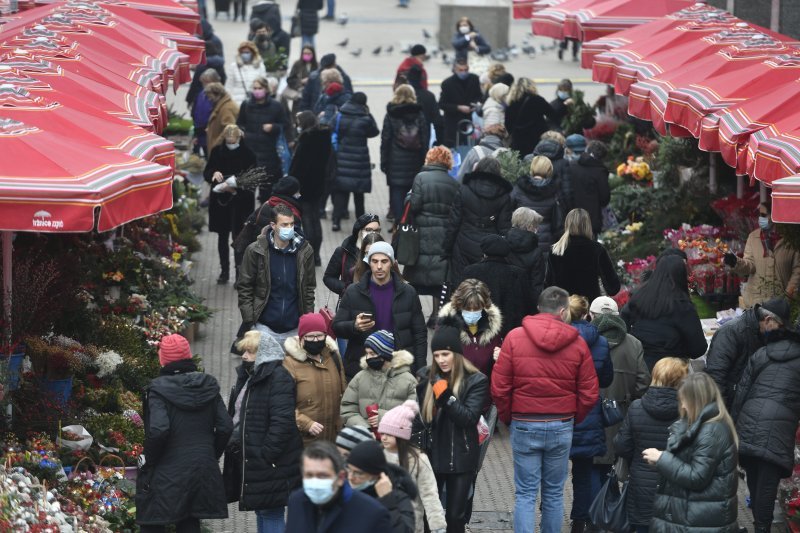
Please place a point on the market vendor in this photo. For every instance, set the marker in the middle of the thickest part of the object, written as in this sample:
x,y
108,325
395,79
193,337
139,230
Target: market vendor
x,y
772,268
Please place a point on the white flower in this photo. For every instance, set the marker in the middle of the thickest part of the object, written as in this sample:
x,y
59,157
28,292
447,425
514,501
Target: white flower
x,y
65,342
108,363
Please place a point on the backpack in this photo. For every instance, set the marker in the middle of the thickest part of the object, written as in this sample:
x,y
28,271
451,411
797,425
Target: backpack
x,y
407,136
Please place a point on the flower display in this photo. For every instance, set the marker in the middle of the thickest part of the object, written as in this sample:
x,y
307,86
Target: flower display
x,y
107,362
635,168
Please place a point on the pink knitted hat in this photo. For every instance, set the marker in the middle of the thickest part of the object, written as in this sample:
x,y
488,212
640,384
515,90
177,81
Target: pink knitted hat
x,y
173,348
398,421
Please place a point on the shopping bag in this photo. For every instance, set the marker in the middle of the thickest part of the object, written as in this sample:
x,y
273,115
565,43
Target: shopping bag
x,y
608,510
406,240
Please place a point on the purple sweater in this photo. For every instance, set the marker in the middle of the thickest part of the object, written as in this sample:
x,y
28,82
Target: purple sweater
x,y
382,297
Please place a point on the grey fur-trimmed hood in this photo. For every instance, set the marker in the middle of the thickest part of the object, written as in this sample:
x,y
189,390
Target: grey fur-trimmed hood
x,y
489,326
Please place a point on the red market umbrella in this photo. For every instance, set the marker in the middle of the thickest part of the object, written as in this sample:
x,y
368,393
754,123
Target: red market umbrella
x,y
522,9
599,20
90,124
786,200
774,152
549,22
141,109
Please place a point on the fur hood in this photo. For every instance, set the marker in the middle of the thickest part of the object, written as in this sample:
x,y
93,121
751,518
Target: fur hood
x,y
295,351
250,46
401,361
489,326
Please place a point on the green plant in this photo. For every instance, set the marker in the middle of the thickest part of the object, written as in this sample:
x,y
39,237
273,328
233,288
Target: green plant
x,y
674,153
511,165
621,145
277,61
580,116
790,233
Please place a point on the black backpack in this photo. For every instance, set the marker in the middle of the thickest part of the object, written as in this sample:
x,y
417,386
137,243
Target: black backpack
x,y
407,136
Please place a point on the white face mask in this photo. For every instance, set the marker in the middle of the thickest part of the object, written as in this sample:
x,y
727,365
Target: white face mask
x,y
319,491
464,29
232,146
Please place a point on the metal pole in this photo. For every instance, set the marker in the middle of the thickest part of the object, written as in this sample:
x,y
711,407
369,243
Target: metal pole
x,y
762,192
731,6
775,16
712,173
7,250
740,186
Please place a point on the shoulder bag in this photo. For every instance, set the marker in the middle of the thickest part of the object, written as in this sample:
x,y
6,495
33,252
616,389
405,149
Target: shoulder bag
x,y
296,30
612,412
406,240
328,313
608,510
248,234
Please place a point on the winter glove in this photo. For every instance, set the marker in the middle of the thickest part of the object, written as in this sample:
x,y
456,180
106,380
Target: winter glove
x,y
442,392
730,259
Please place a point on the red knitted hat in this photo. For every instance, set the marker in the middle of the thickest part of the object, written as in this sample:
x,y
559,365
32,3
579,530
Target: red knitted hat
x,y
334,88
311,322
173,348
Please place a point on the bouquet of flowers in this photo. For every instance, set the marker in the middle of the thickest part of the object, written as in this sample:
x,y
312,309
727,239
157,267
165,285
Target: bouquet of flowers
x,y
636,169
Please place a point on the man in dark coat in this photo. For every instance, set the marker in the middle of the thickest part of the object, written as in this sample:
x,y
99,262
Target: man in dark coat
x,y
507,283
351,128
381,300
327,503
525,251
186,430
427,100
737,340
459,94
589,177
313,89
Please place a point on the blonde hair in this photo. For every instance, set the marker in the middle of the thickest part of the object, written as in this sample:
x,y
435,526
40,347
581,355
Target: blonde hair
x,y
519,89
232,129
576,224
696,392
404,94
462,368
472,293
669,372
578,307
498,92
249,342
330,75
526,218
554,136
541,166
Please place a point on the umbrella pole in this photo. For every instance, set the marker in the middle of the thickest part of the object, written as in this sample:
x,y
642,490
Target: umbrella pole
x,y
6,243
740,186
713,184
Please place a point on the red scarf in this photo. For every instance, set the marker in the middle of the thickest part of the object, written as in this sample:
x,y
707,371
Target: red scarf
x,y
769,240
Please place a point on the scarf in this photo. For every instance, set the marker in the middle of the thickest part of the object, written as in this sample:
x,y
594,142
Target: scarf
x,y
184,366
769,240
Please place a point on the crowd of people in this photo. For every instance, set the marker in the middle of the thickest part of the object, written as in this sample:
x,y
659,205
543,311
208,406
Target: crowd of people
x,y
338,422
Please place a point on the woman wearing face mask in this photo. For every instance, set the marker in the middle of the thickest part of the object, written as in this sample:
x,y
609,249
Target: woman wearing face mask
x,y
247,67
561,104
262,119
384,382
772,267
227,211
316,366
362,267
266,468
453,399
468,39
299,73
480,322
339,272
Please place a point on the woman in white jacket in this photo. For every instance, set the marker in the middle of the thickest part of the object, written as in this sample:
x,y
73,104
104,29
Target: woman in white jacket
x,y
395,430
494,108
244,71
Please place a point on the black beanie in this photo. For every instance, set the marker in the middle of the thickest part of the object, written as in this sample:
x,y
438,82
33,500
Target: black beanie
x,y
368,456
493,245
287,185
327,61
359,98
447,338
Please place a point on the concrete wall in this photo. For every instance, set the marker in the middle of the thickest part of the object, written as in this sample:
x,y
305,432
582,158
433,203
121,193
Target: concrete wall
x,y
790,18
492,19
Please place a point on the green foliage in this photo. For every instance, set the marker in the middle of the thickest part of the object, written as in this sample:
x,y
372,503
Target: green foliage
x,y
790,233
678,152
581,115
621,145
511,165
277,61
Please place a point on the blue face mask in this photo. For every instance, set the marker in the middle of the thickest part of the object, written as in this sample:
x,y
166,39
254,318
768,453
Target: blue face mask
x,y
562,94
286,234
319,491
462,75
363,486
471,317
764,223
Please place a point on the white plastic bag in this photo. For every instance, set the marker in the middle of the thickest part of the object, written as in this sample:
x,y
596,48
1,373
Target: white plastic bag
x,y
85,438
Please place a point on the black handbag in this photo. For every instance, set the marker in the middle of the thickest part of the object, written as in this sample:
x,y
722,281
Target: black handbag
x,y
295,30
612,412
608,510
406,240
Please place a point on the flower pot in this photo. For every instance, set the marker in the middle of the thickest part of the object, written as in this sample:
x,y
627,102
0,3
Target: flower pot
x,y
188,332
13,365
195,329
130,472
61,389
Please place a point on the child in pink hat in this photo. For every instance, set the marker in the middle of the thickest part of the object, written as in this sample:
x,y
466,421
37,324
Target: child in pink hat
x,y
395,430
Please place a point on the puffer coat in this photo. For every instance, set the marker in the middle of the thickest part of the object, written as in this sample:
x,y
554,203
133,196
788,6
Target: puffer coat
x,y
309,16
591,190
645,426
353,167
398,163
478,348
767,404
432,194
697,491
388,388
482,206
526,254
252,118
543,197
730,350
588,436
186,430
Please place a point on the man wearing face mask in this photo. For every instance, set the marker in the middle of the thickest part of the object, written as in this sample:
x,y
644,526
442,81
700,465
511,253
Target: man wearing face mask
x,y
314,362
459,94
327,503
277,280
772,267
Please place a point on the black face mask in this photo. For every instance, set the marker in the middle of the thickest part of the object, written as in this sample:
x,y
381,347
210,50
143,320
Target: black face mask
x,y
314,347
248,366
375,363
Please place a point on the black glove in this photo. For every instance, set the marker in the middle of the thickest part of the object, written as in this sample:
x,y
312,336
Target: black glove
x,y
730,259
441,401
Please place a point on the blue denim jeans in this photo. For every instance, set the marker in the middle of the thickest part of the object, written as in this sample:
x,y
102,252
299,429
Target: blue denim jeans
x,y
307,40
642,529
342,343
271,520
331,8
587,480
541,459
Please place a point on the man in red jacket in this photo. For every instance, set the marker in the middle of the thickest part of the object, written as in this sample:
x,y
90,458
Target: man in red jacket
x,y
416,56
543,382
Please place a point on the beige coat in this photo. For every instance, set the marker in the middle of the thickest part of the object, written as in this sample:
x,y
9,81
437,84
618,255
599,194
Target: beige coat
x,y
319,388
224,114
427,502
768,277
388,388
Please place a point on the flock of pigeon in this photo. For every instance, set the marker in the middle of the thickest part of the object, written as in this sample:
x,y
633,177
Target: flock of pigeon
x,y
501,54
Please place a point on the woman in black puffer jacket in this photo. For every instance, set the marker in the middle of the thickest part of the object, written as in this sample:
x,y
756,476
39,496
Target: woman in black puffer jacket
x,y
482,206
262,462
540,192
432,194
353,167
309,20
262,119
404,143
698,484
766,410
647,426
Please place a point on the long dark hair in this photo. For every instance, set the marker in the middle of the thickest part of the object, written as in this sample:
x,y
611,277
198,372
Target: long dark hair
x,y
406,451
362,267
668,286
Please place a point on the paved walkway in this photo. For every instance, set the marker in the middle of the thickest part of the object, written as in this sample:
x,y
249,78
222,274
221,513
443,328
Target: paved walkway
x,y
373,23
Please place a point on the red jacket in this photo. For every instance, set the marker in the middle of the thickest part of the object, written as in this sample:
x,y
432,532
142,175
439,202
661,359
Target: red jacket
x,y
406,65
544,368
